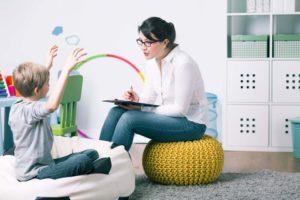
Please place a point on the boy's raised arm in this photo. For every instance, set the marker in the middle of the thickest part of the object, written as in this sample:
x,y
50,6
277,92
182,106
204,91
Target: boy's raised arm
x,y
52,53
73,59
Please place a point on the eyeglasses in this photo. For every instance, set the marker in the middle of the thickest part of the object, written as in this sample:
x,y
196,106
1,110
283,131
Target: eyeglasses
x,y
146,43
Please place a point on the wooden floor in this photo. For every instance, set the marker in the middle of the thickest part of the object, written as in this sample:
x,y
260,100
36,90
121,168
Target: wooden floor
x,y
237,161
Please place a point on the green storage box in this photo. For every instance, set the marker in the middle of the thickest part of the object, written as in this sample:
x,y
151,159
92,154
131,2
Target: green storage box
x,y
286,46
249,46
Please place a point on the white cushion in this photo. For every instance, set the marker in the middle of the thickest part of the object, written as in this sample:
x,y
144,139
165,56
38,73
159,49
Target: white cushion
x,y
120,182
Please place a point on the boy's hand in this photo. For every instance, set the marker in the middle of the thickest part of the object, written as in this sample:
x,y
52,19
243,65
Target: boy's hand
x,y
52,53
55,98
74,58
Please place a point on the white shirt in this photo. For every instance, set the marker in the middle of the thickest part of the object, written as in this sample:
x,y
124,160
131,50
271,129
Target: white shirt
x,y
178,89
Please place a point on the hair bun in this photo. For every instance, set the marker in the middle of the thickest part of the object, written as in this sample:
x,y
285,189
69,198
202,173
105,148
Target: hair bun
x,y
171,26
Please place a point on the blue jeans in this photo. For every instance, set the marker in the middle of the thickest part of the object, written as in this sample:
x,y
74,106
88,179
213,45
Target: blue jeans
x,y
71,165
121,125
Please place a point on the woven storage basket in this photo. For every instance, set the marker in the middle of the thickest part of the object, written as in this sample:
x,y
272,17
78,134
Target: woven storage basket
x,y
286,46
184,163
249,46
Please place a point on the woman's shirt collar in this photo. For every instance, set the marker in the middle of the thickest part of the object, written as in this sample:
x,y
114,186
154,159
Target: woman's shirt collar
x,y
171,55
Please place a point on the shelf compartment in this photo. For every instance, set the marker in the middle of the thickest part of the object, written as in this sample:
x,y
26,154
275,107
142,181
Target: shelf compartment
x,y
246,25
281,126
285,6
286,82
261,6
237,6
248,81
286,24
248,125
248,6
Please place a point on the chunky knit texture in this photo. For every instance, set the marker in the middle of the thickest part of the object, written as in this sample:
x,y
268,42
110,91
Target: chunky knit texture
x,y
184,163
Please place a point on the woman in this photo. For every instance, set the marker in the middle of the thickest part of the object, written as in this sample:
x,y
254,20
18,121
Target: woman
x,y
173,81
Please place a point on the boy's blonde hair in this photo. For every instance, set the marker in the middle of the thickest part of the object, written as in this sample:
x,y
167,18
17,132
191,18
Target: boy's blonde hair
x,y
28,76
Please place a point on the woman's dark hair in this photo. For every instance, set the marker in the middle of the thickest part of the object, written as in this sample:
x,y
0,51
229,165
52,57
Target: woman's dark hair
x,y
160,29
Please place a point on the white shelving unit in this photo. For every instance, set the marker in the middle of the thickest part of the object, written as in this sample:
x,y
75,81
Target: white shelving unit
x,y
262,93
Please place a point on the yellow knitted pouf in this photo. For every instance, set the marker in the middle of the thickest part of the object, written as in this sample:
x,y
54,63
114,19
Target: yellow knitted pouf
x,y
184,163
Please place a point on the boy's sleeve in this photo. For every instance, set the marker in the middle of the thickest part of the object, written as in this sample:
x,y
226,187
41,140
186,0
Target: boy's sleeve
x,y
38,112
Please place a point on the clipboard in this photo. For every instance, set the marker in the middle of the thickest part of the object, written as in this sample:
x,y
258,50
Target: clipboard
x,y
128,103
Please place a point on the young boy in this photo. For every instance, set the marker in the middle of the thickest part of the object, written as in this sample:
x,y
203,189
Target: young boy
x,y
31,130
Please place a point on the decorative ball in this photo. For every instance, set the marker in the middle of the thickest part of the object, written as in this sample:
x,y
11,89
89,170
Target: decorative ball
x,y
184,163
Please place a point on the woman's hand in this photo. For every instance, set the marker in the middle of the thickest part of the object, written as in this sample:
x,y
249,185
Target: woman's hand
x,y
52,53
131,95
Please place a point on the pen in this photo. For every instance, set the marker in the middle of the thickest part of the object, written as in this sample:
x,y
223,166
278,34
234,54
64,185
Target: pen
x,y
131,90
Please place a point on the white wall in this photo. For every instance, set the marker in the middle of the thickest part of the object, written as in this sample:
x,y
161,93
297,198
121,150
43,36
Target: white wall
x,y
111,27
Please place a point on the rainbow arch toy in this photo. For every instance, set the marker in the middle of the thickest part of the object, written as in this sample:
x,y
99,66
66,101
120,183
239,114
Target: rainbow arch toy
x,y
79,65
111,56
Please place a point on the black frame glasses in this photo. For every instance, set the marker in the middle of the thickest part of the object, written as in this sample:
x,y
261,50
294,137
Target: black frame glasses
x,y
140,42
